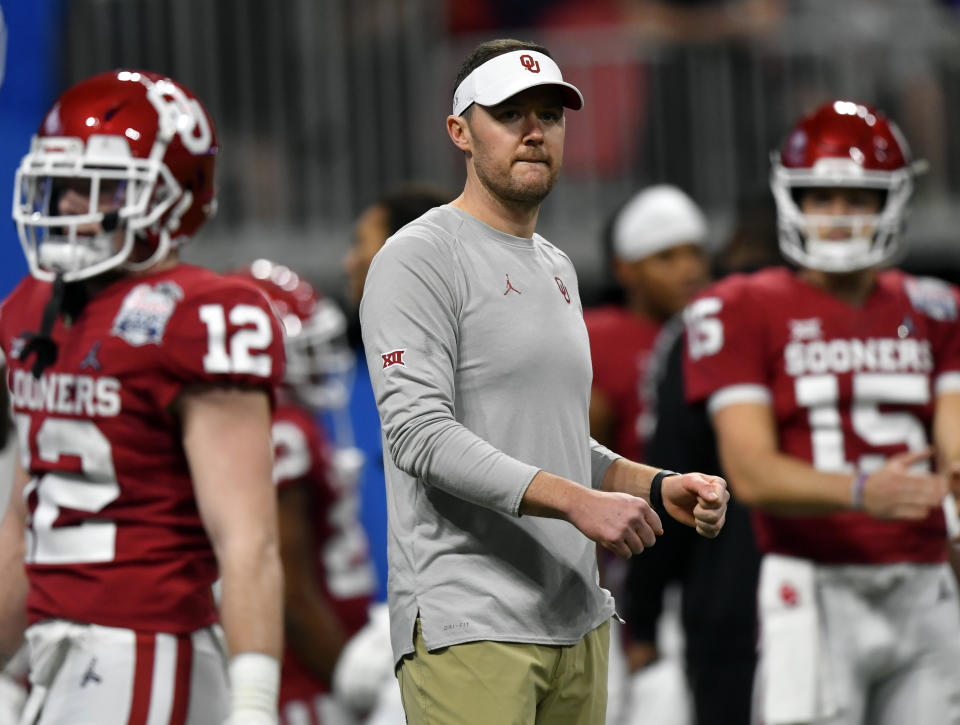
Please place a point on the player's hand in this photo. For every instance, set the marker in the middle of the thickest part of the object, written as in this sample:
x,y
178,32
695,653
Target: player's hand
x,y
619,522
697,500
895,492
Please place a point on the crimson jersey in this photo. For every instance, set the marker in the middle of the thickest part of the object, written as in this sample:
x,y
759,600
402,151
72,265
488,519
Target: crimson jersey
x,y
303,457
849,387
620,346
113,532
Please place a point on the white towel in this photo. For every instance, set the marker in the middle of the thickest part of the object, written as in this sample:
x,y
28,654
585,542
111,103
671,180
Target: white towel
x,y
793,666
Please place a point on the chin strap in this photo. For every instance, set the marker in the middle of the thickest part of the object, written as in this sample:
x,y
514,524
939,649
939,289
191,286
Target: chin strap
x,y
63,298
42,342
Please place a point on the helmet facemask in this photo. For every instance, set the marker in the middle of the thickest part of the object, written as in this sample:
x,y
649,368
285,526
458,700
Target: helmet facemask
x,y
86,244
133,129
873,240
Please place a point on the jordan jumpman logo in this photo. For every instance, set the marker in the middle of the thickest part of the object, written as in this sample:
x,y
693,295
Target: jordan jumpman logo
x,y
511,288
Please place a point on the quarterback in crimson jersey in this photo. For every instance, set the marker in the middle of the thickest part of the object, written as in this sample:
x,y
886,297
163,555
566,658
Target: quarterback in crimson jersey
x,y
141,392
827,386
328,574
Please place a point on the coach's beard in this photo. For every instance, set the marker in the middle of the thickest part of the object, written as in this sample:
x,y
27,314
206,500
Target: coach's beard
x,y
505,187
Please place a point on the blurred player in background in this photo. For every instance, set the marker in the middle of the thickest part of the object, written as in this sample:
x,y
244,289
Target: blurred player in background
x,y
827,385
718,641
655,247
141,391
381,220
328,577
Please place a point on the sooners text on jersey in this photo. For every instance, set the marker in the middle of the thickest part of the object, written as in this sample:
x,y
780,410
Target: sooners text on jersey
x,y
113,532
849,386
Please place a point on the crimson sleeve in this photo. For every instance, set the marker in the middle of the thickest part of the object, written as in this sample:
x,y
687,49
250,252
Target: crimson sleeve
x,y
725,340
228,335
946,341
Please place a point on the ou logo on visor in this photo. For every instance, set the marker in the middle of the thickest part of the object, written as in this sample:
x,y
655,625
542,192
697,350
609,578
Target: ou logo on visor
x,y
529,63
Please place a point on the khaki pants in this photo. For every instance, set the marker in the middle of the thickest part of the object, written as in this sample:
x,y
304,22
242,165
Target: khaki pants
x,y
506,683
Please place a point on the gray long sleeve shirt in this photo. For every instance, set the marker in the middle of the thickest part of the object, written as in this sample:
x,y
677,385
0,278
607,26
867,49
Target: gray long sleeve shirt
x,y
480,365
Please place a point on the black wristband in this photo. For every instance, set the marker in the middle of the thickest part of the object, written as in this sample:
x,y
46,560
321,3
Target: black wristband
x,y
656,491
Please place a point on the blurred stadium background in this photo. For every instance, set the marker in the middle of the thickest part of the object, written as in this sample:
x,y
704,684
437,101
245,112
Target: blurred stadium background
x,y
322,105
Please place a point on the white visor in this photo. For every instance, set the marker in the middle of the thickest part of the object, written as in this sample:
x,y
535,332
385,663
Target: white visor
x,y
506,75
658,218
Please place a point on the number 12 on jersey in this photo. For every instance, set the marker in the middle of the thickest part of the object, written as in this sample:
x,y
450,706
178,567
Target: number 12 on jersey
x,y
238,358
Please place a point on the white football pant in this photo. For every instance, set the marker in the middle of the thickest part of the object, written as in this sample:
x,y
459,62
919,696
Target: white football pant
x,y
857,645
85,674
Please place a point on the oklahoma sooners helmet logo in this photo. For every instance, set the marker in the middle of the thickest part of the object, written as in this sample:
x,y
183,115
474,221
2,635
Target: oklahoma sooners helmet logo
x,y
529,63
394,357
181,116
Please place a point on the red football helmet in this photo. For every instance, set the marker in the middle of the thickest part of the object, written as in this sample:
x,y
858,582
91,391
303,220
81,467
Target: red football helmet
x,y
133,154
843,144
318,358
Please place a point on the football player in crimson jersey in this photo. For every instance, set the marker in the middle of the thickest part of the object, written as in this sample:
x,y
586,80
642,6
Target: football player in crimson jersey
x,y
827,386
328,575
141,391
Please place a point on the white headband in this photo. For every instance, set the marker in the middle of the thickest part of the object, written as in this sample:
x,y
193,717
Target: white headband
x,y
658,218
506,75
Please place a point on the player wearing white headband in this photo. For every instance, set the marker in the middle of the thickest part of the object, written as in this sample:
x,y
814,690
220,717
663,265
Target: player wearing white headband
x,y
480,364
655,244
